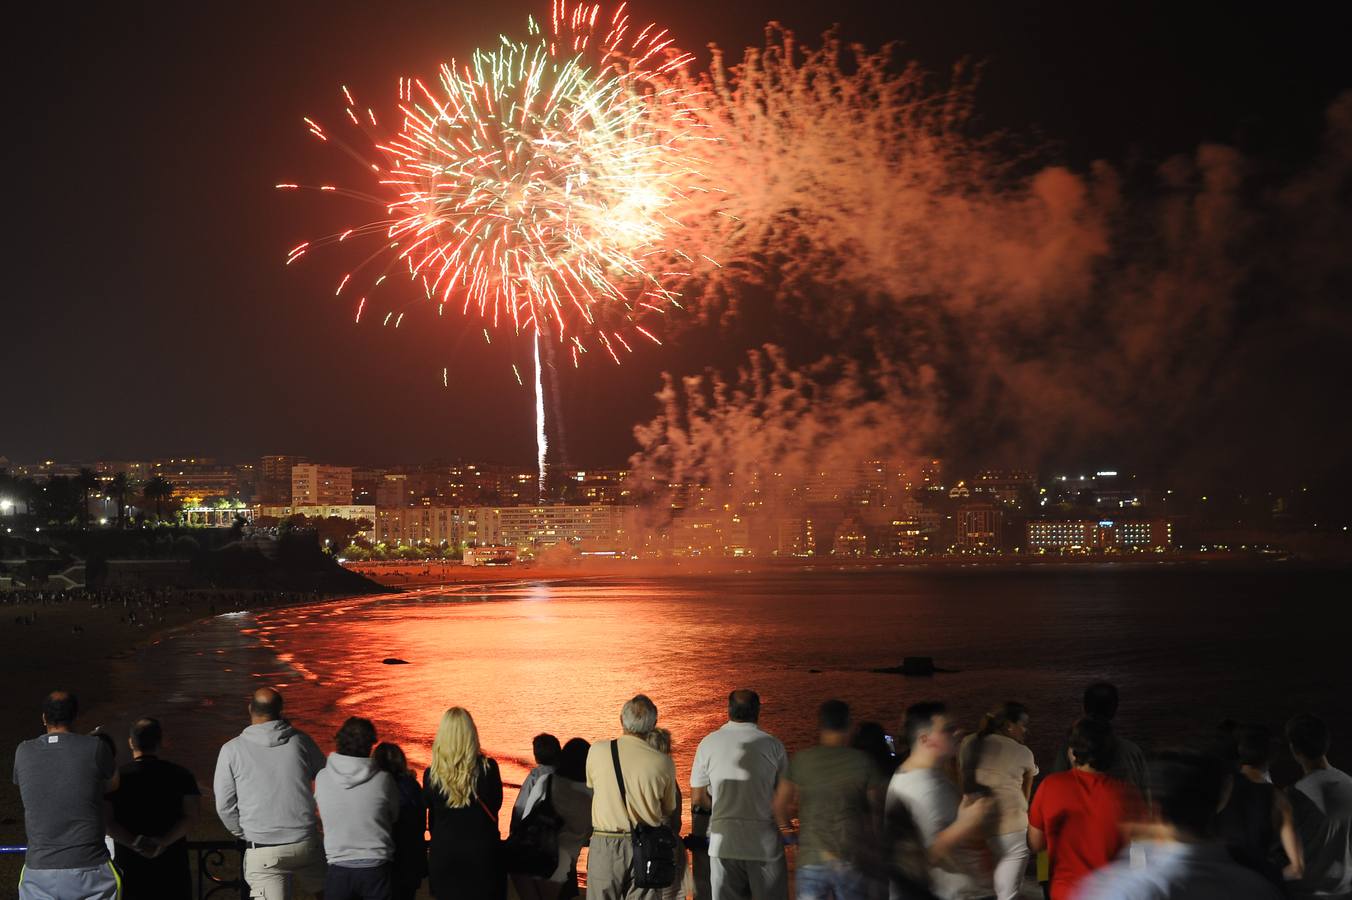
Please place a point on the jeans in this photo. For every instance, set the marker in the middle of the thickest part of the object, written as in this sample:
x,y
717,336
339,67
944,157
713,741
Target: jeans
x,y
342,883
831,881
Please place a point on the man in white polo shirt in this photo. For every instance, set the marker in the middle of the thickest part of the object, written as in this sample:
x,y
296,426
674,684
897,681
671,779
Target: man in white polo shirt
x,y
735,774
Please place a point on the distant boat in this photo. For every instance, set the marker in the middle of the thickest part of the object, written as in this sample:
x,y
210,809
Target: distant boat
x,y
913,666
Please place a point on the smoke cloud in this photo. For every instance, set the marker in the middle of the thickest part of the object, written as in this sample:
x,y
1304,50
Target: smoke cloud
x,y
985,306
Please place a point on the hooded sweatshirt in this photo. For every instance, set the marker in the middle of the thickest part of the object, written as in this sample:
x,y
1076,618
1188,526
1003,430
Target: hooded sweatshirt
x,y
359,804
262,784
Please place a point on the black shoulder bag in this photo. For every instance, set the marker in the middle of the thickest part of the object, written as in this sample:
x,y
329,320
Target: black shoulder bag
x,y
654,846
533,846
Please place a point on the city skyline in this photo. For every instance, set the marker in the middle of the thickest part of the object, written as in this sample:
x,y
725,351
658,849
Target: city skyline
x,y
204,338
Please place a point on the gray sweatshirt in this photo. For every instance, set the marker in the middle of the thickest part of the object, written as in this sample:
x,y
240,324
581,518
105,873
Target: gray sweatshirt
x,y
262,784
358,803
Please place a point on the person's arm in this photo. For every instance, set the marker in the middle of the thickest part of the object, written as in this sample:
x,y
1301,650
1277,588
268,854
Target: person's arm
x,y
191,810
227,799
699,780
1028,776
1037,836
491,782
786,803
115,829
671,796
392,800
1284,820
428,799
972,815
314,757
107,768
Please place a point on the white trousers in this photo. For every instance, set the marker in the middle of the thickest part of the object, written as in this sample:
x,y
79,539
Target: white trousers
x,y
1010,852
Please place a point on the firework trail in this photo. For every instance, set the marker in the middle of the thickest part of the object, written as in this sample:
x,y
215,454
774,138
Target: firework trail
x,y
538,185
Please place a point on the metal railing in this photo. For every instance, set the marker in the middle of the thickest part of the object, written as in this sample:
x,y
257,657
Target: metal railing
x,y
218,868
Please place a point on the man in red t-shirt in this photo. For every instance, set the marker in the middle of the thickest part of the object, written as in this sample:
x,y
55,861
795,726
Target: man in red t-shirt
x,y
1077,815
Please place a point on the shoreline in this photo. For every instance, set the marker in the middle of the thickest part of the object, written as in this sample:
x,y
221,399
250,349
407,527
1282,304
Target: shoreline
x,y
93,649
85,647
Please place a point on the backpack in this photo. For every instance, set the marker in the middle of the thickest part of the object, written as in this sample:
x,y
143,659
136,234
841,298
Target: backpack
x,y
533,846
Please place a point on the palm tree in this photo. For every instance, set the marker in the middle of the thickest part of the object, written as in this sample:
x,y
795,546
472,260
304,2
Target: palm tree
x,y
118,488
85,482
157,490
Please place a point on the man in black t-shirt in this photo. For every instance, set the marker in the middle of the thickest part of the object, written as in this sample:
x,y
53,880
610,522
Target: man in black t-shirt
x,y
152,810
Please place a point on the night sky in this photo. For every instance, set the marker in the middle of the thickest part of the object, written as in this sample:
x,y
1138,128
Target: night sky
x,y
147,312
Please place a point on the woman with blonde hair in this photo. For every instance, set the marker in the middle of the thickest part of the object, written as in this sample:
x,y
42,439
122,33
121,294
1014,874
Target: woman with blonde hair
x,y
463,792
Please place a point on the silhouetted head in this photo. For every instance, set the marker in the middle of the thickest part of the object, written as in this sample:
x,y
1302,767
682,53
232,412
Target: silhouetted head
x,y
834,716
1091,744
743,706
546,749
390,758
59,709
1254,746
146,735
573,760
1308,737
266,705
1100,701
356,737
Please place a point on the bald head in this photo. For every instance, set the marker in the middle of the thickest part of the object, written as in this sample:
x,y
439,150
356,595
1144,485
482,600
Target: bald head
x,y
59,709
743,706
266,705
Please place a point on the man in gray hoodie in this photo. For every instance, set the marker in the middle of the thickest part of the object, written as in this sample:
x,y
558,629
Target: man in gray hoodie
x,y
263,796
359,804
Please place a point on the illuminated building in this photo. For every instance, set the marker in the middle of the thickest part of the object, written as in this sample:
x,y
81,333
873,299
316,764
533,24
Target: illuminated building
x,y
196,478
597,485
902,537
1100,534
313,485
452,526
273,484
222,516
392,492
980,527
594,528
1007,488
850,539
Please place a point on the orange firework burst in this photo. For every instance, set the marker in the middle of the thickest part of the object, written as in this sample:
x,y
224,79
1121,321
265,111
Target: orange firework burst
x,y
537,185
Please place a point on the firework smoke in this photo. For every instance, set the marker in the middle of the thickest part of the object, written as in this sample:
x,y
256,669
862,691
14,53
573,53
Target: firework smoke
x,y
1012,310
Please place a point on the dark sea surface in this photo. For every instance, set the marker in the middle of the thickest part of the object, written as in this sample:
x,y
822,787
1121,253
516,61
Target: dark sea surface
x,y
1188,647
